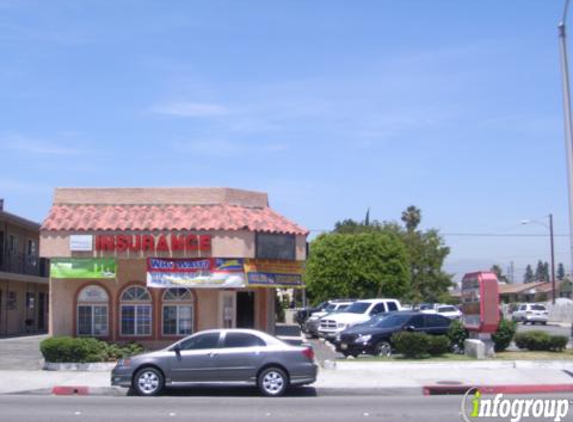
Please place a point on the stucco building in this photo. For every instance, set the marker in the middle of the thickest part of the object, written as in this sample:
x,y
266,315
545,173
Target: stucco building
x,y
23,277
155,264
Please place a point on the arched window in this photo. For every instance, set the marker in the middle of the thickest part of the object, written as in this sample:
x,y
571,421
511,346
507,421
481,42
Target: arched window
x,y
92,312
177,312
135,312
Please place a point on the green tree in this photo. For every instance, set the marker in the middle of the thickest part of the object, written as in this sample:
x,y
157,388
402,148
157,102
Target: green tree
x,y
528,276
357,265
542,271
425,250
560,271
499,273
412,217
350,226
427,253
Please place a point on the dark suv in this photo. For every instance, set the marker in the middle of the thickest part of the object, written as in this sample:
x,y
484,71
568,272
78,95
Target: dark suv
x,y
374,337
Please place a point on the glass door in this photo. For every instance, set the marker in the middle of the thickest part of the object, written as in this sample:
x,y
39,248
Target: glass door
x,y
227,307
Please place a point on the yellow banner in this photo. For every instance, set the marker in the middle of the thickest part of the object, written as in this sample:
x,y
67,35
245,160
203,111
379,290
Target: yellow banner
x,y
270,273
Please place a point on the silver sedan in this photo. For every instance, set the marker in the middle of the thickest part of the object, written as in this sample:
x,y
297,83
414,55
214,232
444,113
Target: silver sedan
x,y
231,357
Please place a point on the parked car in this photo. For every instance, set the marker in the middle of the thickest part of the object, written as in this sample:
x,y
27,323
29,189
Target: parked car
x,y
376,338
311,325
532,313
304,313
232,356
448,311
358,312
424,307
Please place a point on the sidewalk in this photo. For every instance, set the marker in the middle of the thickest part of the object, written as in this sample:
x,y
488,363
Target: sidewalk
x,y
345,378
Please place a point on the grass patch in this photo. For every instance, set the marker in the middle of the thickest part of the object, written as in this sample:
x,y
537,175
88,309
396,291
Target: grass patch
x,y
523,355
506,355
399,358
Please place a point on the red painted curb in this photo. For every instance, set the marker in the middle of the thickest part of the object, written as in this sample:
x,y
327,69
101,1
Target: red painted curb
x,y
433,390
70,391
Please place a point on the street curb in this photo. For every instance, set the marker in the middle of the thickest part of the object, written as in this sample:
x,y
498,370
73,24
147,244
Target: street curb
x,y
319,392
73,391
450,366
67,366
437,390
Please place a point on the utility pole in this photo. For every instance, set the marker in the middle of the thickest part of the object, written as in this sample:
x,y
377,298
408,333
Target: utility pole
x,y
567,122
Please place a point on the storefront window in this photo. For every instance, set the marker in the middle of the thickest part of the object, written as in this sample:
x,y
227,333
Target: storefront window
x,y
177,312
92,312
135,312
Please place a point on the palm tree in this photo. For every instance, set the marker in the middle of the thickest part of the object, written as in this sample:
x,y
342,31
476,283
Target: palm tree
x,y
411,217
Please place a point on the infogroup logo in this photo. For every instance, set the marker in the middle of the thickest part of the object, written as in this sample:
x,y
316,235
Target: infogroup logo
x,y
512,409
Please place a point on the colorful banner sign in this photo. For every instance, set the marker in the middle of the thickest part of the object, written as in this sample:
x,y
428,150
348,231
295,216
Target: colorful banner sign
x,y
267,273
83,268
195,273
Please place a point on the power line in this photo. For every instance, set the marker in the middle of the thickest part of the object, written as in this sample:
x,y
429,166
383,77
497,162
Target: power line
x,y
468,234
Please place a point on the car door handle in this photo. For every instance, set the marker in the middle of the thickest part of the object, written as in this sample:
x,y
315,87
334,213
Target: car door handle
x,y
212,354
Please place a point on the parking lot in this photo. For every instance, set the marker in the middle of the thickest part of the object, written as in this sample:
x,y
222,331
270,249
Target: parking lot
x,y
21,353
325,351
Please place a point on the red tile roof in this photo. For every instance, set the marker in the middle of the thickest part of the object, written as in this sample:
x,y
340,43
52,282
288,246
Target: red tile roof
x,y
168,217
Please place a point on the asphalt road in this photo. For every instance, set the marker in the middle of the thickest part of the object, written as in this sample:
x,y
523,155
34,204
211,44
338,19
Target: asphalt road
x,y
236,409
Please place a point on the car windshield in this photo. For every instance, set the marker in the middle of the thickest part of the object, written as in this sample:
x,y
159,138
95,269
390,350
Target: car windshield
x,y
330,307
446,309
341,308
358,307
391,321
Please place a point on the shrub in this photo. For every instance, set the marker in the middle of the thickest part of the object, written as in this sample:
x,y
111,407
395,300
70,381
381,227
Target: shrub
x,y
411,344
533,340
84,349
457,334
438,345
558,343
540,341
504,335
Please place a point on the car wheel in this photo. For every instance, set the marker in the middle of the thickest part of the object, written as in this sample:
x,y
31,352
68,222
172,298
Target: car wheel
x,y
148,382
272,382
383,348
353,354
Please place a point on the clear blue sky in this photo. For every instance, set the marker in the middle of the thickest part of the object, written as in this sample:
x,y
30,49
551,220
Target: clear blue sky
x,y
329,106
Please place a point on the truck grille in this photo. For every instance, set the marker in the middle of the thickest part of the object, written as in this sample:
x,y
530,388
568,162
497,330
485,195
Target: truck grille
x,y
327,324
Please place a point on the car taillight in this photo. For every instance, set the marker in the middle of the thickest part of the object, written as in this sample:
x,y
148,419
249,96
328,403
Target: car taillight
x,y
309,353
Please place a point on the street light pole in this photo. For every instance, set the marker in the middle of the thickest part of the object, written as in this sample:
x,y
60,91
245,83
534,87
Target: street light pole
x,y
567,123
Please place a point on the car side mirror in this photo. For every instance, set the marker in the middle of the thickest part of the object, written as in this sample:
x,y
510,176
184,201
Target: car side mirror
x,y
409,328
177,350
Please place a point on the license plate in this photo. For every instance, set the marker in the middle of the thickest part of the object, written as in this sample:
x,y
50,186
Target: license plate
x,y
344,346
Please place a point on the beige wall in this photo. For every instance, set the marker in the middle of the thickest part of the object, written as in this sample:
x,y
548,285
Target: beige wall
x,y
224,244
160,196
13,321
133,271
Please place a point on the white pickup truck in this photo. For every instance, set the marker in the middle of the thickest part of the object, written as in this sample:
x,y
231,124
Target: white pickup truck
x,y
357,313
